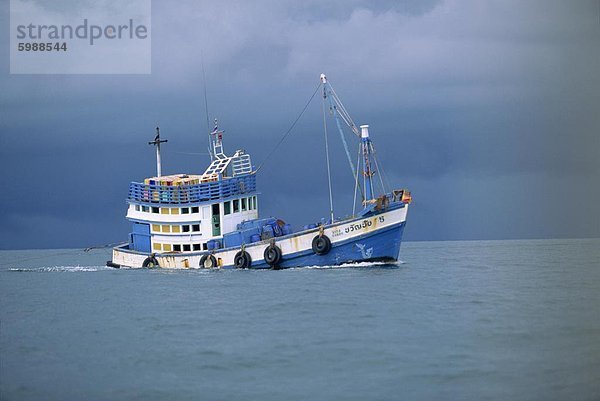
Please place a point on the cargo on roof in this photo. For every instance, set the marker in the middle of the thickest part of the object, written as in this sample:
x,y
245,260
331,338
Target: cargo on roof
x,y
173,180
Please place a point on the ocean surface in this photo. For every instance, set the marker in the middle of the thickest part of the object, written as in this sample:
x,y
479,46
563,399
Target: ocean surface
x,y
471,320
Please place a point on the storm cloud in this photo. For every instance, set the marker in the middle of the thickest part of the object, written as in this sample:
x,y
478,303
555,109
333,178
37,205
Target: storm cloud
x,y
488,111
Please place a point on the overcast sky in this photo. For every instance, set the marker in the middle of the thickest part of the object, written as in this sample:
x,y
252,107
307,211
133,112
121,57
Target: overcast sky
x,y
489,111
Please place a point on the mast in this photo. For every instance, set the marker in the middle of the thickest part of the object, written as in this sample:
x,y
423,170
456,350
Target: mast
x,y
365,149
157,141
216,141
324,82
367,171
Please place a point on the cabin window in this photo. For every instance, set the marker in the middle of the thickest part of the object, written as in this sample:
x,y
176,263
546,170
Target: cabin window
x,y
227,207
185,228
154,209
166,228
187,248
137,208
195,227
185,210
255,206
145,209
236,205
174,210
167,247
177,248
156,228
164,210
195,209
176,229
244,208
204,247
156,247
250,204
196,247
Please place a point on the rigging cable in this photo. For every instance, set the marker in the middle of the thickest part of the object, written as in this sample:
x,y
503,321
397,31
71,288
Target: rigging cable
x,y
189,153
380,172
289,129
208,131
344,113
338,109
339,126
385,179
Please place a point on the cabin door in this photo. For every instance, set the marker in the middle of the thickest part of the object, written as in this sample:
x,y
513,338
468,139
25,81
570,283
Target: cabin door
x,y
216,220
140,237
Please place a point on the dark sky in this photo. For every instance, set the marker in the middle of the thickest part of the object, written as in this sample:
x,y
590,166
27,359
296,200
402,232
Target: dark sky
x,y
488,111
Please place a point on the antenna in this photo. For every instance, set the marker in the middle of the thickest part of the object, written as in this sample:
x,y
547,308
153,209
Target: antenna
x,y
206,106
156,142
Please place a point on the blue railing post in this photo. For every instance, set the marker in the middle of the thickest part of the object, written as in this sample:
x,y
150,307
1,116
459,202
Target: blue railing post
x,y
206,191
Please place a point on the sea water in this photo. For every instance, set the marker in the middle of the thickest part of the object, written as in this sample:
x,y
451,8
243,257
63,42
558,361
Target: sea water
x,y
473,320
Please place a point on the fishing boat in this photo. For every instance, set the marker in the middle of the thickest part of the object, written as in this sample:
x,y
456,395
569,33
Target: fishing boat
x,y
211,220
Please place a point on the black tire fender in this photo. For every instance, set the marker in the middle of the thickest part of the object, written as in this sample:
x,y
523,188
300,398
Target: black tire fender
x,y
272,255
242,260
321,244
150,262
207,262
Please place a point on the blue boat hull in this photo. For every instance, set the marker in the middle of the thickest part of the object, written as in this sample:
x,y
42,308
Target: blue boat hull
x,y
382,245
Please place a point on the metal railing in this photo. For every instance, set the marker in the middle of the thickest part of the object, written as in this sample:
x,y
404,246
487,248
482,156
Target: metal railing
x,y
206,191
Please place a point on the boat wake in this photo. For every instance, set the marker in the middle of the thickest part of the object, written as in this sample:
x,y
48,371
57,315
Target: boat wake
x,y
71,269
384,265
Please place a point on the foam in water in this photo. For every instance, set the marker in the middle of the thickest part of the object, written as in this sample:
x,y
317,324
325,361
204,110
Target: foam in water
x,y
59,269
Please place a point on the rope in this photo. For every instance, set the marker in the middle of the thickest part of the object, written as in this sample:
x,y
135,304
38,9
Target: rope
x,y
104,246
35,258
51,255
289,130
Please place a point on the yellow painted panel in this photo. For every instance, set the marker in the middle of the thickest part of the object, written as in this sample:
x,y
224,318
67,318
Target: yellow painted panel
x,y
175,229
164,210
156,247
174,210
166,228
167,247
156,227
